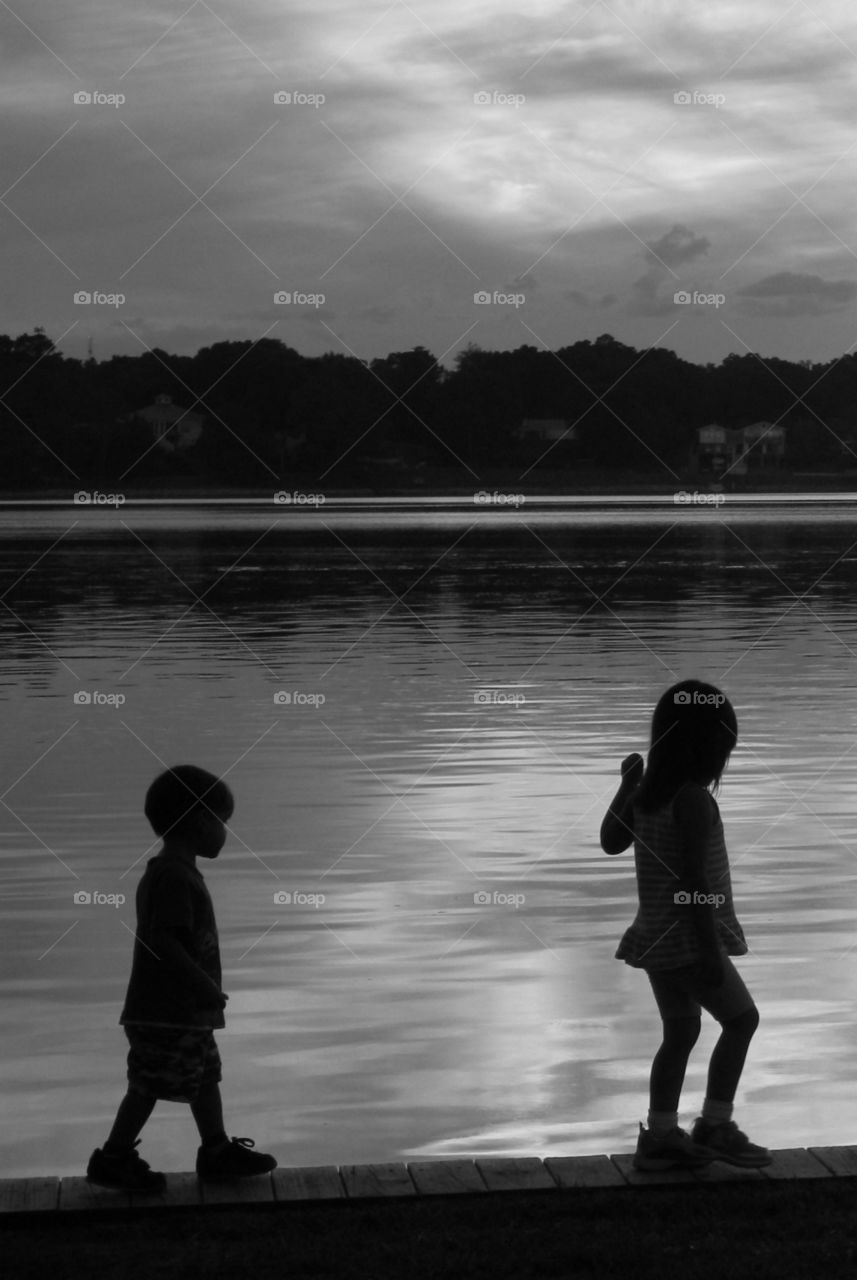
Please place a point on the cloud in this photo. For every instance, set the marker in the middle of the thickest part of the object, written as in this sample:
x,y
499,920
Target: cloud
x,y
677,246
789,293
316,315
399,195
584,300
378,315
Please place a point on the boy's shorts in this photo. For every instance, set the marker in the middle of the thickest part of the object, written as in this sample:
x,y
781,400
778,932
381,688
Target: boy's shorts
x,y
172,1063
680,994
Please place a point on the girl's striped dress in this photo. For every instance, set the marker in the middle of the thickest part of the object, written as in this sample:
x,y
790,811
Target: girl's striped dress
x,y
663,935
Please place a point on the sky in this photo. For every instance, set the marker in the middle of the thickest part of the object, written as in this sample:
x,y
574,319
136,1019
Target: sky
x,y
367,178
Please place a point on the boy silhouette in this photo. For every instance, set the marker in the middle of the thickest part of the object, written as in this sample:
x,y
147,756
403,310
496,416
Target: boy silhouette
x,y
174,1001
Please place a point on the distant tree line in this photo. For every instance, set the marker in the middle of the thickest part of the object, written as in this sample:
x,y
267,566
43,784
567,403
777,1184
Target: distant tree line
x,y
271,413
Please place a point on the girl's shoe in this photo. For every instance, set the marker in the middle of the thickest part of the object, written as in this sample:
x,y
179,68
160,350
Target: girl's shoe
x,y
233,1160
726,1142
126,1170
676,1150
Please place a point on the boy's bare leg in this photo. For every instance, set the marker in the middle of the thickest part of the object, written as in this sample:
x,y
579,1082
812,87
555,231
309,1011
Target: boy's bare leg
x,y
134,1111
208,1113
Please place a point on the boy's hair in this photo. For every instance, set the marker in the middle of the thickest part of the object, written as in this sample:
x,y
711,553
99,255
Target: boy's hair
x,y
176,796
694,729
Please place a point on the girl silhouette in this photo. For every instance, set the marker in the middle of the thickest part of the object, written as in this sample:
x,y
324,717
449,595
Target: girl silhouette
x,y
685,930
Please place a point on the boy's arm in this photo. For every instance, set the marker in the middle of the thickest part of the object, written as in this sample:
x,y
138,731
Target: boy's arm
x,y
692,813
616,830
171,951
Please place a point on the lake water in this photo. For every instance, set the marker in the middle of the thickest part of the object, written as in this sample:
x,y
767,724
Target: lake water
x,y
483,672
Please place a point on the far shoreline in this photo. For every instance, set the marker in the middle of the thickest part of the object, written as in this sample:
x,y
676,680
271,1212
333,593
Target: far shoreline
x,y
500,491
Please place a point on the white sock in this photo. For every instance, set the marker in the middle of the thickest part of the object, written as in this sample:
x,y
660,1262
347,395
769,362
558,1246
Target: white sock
x,y
714,1112
660,1123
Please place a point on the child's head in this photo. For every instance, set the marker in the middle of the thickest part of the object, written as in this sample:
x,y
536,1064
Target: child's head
x,y
694,729
187,805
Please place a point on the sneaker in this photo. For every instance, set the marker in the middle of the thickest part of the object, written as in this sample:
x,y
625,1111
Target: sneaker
x,y
233,1160
676,1150
126,1170
726,1142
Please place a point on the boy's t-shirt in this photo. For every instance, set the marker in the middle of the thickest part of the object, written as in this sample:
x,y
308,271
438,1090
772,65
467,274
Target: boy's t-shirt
x,y
172,893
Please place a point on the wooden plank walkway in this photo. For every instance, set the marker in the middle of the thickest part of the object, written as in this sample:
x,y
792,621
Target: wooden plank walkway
x,y
423,1178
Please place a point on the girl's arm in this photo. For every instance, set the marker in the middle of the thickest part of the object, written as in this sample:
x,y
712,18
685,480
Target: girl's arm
x,y
616,830
692,813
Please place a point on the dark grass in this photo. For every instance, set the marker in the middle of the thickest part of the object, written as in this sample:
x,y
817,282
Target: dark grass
x,y
781,1231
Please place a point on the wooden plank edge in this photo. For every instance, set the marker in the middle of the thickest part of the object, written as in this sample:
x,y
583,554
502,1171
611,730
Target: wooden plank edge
x,y
831,1160
29,1195
471,1183
48,1191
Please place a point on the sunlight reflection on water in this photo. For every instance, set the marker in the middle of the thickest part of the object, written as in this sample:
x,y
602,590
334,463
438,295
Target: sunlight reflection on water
x,y
482,679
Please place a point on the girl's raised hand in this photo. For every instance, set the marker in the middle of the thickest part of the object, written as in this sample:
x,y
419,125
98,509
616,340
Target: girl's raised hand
x,y
632,768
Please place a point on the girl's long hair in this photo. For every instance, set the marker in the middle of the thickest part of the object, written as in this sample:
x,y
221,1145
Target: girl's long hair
x,y
694,729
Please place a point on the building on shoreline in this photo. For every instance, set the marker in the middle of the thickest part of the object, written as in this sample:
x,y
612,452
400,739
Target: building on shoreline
x,y
174,428
758,447
544,431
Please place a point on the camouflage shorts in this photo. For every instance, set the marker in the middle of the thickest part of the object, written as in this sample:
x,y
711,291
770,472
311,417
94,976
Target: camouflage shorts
x,y
172,1063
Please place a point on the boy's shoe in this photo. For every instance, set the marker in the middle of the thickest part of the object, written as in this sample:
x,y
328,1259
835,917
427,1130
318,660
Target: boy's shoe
x,y
726,1142
233,1160
127,1171
676,1150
